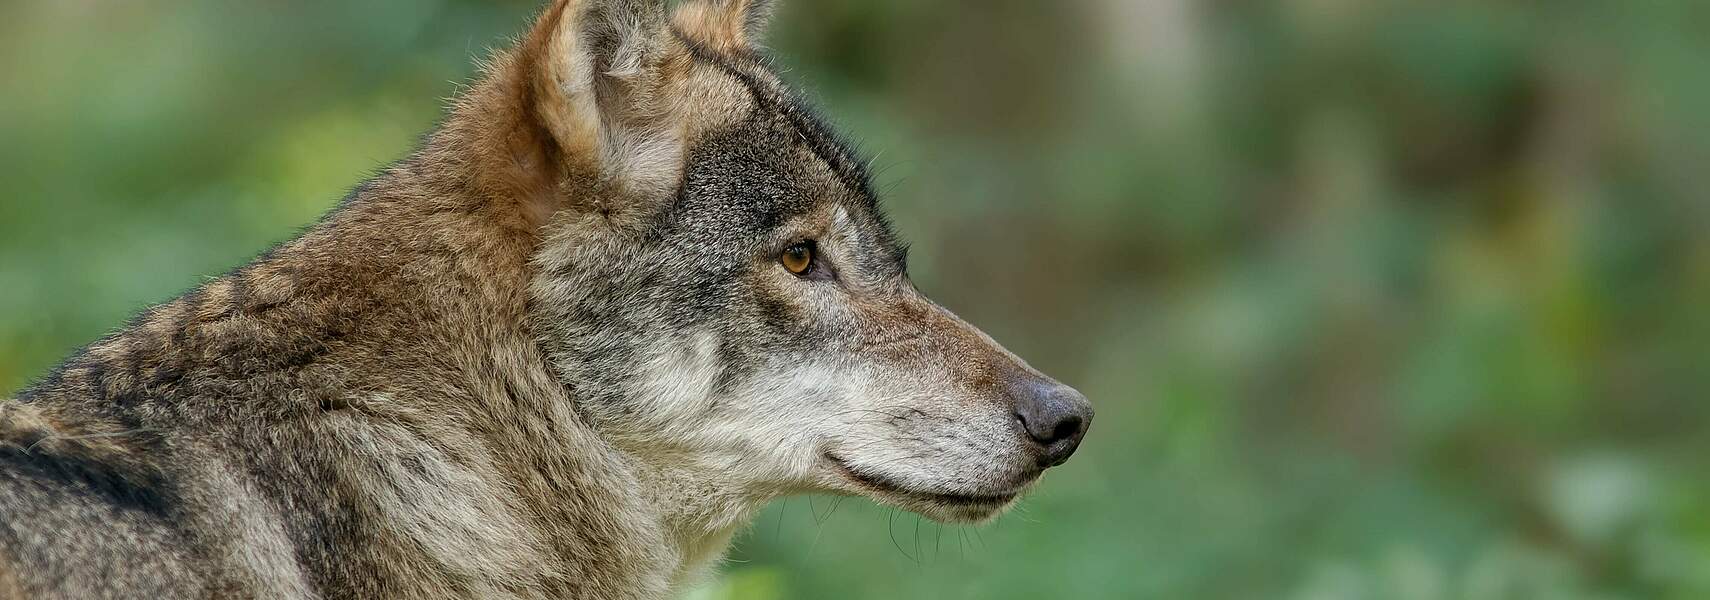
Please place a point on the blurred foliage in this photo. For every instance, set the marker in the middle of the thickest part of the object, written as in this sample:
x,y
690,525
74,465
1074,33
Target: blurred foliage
x,y
1377,299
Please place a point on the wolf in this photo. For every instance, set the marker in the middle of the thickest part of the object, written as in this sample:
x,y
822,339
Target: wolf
x,y
629,291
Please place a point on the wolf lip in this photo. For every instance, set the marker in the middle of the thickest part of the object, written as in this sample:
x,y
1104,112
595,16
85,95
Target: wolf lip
x,y
879,483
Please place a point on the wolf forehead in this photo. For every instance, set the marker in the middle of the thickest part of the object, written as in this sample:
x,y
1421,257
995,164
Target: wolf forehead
x,y
778,164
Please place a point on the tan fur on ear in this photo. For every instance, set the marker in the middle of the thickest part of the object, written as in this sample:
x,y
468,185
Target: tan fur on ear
x,y
725,25
566,99
591,111
598,69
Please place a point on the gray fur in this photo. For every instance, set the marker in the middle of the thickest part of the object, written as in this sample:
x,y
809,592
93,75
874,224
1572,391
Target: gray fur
x,y
518,364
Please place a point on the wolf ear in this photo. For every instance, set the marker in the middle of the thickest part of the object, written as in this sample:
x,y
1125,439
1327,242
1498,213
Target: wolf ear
x,y
598,69
726,25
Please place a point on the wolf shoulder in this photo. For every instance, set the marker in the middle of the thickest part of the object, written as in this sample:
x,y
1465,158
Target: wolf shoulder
x,y
74,524
106,497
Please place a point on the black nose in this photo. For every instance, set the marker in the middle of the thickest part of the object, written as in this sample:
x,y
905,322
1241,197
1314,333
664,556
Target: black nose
x,y
1054,415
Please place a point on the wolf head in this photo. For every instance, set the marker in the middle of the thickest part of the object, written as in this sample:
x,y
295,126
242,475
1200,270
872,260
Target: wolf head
x,y
719,291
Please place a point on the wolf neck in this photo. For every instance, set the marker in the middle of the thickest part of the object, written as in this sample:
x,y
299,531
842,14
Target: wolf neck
x,y
699,508
693,510
664,515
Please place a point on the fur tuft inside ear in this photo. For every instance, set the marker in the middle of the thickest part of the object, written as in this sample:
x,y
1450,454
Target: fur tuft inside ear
x,y
726,25
598,74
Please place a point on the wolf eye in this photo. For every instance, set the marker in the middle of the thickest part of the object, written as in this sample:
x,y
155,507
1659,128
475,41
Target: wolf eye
x,y
798,258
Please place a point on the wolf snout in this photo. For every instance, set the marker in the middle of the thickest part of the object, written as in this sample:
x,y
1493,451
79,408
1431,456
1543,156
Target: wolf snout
x,y
1054,416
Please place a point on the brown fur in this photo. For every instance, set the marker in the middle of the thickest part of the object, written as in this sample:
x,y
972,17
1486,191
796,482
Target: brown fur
x,y
368,411
428,277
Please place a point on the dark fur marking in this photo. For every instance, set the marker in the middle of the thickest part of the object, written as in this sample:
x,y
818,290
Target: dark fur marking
x,y
807,125
821,140
132,491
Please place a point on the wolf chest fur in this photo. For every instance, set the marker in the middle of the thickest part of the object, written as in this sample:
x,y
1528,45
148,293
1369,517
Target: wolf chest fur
x,y
630,291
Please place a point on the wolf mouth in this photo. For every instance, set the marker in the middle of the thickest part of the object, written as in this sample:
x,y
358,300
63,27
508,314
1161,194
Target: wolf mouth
x,y
890,486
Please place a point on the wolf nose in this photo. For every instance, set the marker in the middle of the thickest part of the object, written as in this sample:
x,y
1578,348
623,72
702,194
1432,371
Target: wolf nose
x,y
1055,416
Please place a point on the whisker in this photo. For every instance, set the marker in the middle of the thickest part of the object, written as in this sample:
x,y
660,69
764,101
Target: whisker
x,y
890,527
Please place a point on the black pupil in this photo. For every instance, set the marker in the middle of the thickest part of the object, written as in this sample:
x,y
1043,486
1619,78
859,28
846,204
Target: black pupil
x,y
799,256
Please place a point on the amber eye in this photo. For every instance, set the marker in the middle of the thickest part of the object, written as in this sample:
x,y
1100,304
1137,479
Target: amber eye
x,y
798,258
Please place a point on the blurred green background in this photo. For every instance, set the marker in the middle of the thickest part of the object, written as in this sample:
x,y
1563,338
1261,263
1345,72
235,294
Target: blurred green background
x,y
1376,299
